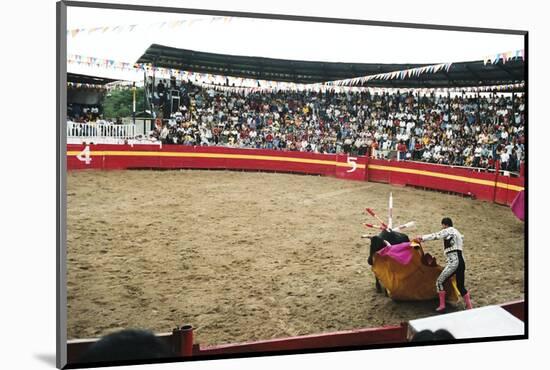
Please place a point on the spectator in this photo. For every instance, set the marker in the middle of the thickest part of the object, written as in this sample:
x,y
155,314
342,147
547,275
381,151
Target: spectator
x,y
401,151
513,163
430,336
463,131
130,344
504,157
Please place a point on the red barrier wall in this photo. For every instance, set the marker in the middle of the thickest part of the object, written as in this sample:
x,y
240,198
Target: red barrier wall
x,y
350,338
327,341
484,186
112,156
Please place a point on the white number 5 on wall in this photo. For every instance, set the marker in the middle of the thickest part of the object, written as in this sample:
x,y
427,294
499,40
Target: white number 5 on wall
x,y
351,160
84,156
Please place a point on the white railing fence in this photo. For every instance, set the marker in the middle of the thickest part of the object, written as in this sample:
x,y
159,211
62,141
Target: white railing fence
x,y
93,131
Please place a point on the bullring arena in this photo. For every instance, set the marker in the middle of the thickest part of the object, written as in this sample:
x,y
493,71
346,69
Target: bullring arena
x,y
218,197
247,256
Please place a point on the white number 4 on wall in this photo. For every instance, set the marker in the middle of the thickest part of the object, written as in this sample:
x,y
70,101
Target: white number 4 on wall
x,y
84,156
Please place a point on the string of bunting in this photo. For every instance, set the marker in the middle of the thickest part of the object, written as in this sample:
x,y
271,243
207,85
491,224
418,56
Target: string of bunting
x,y
506,87
101,63
406,73
371,90
247,85
504,57
183,75
239,82
339,89
138,27
79,85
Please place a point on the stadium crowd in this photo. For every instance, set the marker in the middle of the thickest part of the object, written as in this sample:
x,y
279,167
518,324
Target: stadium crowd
x,y
463,131
83,113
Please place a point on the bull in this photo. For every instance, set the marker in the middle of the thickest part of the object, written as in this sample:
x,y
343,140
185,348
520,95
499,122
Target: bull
x,y
380,241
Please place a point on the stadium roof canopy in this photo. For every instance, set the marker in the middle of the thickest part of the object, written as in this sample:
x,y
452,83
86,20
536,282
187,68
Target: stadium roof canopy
x,y
462,74
85,79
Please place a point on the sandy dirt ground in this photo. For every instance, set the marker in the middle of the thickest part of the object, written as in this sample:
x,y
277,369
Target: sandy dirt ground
x,y
246,256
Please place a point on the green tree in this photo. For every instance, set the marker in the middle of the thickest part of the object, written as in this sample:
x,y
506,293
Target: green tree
x,y
118,103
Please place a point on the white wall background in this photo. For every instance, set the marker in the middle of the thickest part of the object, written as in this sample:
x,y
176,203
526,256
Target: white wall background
x,y
27,196
276,39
